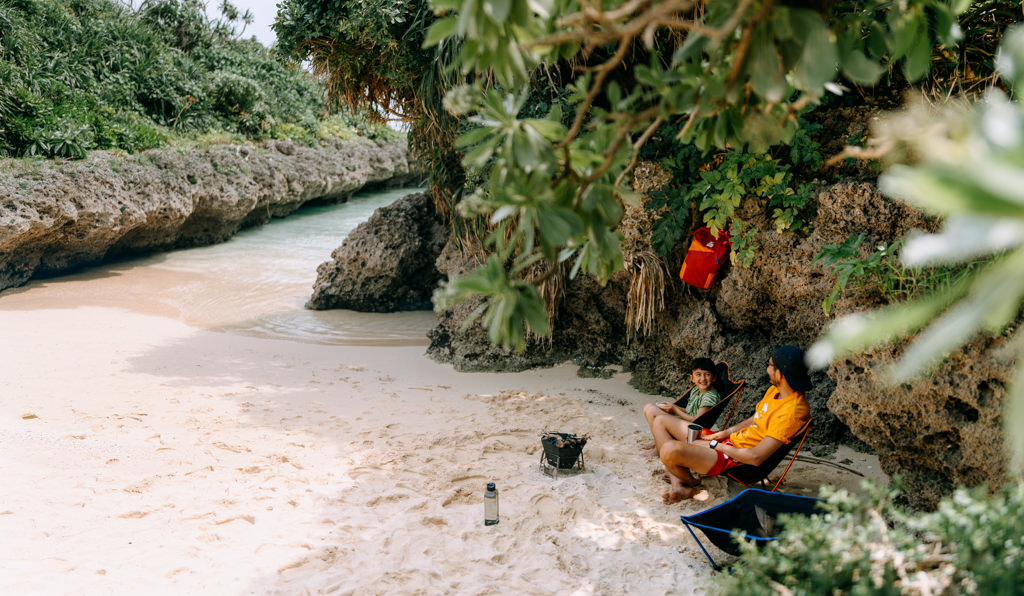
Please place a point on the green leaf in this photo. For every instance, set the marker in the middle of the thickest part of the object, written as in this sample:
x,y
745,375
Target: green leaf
x,y
524,152
765,68
877,41
988,235
691,49
477,158
550,130
557,224
946,28
904,33
862,331
1010,59
993,304
860,69
781,24
444,6
817,63
472,137
945,191
497,10
919,57
441,30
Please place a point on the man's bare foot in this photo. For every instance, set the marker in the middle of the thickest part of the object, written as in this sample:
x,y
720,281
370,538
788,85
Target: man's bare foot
x,y
668,479
677,494
647,446
652,452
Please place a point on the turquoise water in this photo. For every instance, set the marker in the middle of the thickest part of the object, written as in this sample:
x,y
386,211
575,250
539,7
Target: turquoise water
x,y
254,284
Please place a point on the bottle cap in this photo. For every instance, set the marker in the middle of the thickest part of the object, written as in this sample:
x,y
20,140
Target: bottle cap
x,y
490,486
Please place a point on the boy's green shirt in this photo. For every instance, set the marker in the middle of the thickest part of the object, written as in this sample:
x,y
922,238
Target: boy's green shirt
x,y
700,400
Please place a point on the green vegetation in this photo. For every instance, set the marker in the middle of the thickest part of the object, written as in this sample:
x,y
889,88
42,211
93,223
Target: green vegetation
x,y
729,178
732,75
715,91
972,544
369,54
884,271
78,75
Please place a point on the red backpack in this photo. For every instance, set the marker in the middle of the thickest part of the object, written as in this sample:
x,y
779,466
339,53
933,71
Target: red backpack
x,y
705,257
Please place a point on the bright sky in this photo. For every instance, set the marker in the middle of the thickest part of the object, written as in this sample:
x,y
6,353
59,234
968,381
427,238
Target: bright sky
x,y
263,12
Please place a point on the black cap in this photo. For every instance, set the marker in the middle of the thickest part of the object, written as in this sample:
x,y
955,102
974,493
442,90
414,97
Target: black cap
x,y
789,360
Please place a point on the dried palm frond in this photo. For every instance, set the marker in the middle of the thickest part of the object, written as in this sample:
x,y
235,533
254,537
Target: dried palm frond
x,y
551,285
646,296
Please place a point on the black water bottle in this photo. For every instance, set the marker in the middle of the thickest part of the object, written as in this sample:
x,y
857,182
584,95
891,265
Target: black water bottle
x,y
491,505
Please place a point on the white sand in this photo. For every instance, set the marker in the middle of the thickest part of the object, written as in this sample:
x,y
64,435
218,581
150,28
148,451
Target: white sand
x,y
144,456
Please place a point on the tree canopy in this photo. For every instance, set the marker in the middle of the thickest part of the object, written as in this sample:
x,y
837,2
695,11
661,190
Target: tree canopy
x,y
733,74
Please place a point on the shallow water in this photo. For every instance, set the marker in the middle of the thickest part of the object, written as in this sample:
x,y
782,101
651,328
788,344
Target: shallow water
x,y
254,284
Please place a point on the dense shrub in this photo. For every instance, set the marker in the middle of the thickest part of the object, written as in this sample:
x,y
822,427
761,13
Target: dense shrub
x,y
77,75
973,544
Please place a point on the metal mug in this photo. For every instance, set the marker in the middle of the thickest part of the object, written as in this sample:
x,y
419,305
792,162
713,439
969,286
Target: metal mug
x,y
693,432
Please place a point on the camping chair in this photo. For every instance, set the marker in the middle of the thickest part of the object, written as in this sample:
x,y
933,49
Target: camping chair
x,y
747,474
751,512
729,390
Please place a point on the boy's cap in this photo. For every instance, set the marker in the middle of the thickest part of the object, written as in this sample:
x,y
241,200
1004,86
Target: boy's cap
x,y
790,362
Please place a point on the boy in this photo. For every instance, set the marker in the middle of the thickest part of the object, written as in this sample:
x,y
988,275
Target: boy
x,y
702,397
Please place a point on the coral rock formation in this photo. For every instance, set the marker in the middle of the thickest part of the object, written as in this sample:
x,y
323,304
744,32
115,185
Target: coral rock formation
x,y
56,216
386,263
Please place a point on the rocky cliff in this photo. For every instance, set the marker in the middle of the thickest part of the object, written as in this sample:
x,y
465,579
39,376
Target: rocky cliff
x,y
937,433
55,216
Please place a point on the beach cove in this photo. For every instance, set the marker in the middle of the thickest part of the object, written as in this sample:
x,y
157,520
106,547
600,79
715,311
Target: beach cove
x,y
163,435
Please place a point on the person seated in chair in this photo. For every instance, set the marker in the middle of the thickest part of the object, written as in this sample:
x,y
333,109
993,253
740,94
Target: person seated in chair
x,y
674,418
777,418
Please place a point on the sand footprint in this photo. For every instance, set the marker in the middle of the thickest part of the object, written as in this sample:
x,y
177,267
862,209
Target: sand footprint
x,y
434,521
548,509
461,496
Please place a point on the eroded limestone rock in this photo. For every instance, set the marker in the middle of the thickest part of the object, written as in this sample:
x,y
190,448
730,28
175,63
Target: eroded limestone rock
x,y
386,263
56,216
938,432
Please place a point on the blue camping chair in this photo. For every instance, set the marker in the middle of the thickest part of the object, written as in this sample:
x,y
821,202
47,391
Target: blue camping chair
x,y
752,512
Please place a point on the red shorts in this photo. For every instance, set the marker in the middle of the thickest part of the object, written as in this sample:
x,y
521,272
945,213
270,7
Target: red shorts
x,y
724,462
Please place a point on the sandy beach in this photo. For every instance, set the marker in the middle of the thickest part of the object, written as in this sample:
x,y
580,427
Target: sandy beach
x,y
179,424
143,455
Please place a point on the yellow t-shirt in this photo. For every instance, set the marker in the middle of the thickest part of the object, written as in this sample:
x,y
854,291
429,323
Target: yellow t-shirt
x,y
776,418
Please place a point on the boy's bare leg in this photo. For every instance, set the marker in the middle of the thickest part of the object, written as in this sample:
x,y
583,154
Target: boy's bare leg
x,y
660,419
651,412
668,428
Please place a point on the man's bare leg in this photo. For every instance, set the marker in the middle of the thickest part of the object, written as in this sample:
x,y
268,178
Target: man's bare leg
x,y
679,458
677,491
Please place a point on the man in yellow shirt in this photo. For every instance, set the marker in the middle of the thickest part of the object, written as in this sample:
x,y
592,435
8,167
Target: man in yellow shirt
x,y
778,416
